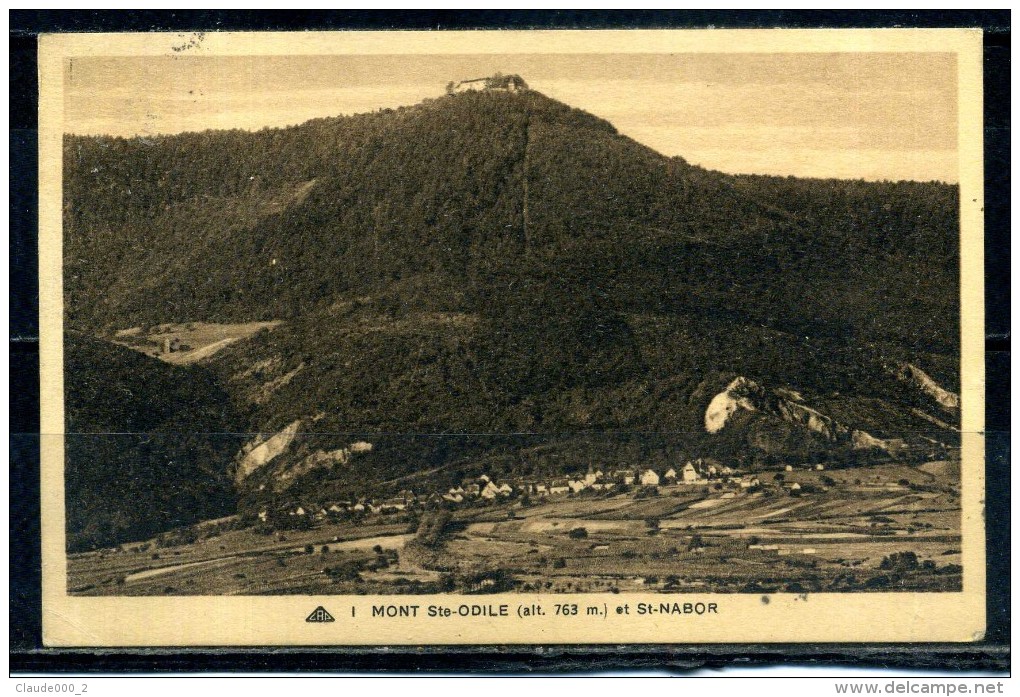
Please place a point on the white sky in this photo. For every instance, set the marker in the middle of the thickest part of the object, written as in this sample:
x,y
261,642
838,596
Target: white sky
x,y
862,115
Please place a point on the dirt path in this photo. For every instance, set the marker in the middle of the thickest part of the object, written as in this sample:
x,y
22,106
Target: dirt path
x,y
152,573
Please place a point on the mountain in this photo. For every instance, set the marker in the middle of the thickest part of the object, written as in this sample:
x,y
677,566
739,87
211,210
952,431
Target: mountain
x,y
148,445
495,279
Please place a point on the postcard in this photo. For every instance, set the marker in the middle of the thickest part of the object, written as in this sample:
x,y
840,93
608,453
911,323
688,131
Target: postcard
x,y
512,337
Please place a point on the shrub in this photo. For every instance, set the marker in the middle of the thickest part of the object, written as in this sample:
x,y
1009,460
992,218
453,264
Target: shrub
x,y
900,561
578,534
433,527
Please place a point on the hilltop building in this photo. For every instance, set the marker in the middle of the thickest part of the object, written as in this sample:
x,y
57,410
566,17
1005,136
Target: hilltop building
x,y
497,82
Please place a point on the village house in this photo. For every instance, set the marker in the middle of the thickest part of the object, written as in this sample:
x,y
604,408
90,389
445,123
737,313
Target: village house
x,y
541,489
649,478
577,485
626,477
490,491
393,505
558,487
670,475
453,498
690,474
505,489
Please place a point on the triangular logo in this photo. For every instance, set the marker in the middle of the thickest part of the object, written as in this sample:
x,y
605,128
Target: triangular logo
x,y
319,614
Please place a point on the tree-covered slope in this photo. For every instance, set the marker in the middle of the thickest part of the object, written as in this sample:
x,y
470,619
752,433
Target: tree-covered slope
x,y
435,204
488,275
148,445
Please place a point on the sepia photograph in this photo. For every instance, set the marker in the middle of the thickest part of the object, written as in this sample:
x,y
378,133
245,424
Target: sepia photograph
x,y
502,318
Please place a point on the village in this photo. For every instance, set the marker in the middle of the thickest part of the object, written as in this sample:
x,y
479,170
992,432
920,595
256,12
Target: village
x,y
700,526
483,489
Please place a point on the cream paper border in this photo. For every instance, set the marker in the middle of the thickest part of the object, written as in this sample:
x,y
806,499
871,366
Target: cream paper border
x,y
262,621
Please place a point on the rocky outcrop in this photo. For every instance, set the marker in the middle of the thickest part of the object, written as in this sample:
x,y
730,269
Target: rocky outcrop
x,y
914,376
262,451
287,475
743,394
737,395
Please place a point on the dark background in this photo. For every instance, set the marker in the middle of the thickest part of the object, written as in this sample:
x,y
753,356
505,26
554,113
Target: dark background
x,y
27,653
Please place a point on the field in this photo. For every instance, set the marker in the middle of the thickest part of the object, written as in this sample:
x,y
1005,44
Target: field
x,y
193,341
884,528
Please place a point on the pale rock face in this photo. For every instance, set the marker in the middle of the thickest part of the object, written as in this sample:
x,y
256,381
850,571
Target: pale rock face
x,y
320,458
811,419
361,447
727,403
924,382
862,440
260,452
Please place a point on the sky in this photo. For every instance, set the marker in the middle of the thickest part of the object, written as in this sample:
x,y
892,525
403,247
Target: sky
x,y
848,115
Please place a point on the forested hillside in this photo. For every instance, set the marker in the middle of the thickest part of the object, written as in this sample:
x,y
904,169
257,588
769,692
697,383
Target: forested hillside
x,y
444,204
494,277
148,445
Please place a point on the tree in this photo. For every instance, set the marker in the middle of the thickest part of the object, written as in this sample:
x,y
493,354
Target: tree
x,y
433,527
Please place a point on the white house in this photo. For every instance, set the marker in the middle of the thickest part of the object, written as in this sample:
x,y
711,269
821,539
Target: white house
x,y
670,474
690,474
490,491
577,485
649,478
505,489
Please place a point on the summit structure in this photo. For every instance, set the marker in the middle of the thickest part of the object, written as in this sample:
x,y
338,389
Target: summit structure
x,y
499,81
